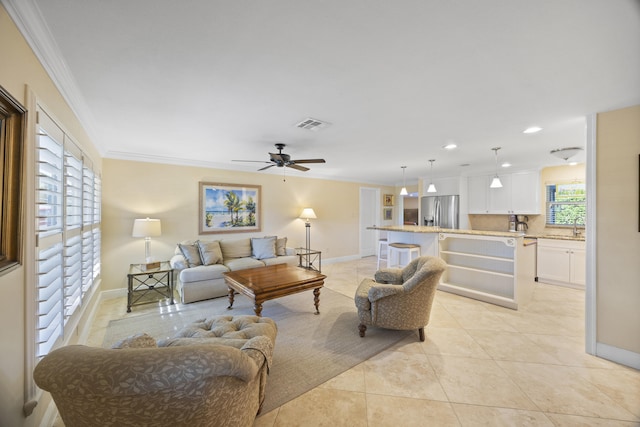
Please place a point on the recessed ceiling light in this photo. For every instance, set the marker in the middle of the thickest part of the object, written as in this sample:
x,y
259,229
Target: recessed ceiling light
x,y
532,129
573,163
449,146
506,165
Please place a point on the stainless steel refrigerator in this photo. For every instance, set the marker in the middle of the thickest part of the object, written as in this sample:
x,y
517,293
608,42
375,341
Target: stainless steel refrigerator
x,y
440,211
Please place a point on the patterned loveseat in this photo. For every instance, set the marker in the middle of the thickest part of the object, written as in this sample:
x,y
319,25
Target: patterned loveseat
x,y
213,373
201,264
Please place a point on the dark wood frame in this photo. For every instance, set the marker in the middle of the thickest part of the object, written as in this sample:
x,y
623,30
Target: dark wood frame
x,y
205,226
12,133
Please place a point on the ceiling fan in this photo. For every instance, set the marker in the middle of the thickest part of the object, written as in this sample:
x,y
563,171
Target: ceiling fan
x,y
281,159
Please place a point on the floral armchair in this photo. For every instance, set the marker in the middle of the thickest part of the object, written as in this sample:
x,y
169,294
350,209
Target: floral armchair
x,y
400,299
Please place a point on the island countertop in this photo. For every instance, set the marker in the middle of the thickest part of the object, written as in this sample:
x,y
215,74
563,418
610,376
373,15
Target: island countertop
x,y
426,229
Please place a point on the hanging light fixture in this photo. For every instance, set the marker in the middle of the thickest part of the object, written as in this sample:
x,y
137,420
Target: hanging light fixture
x,y
403,192
432,188
495,182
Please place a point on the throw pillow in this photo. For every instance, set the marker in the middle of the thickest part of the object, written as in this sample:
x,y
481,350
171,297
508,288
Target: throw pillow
x,y
136,341
263,248
235,248
191,253
210,252
281,246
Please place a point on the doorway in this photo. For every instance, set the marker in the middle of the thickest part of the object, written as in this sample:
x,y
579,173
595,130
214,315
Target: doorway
x,y
369,216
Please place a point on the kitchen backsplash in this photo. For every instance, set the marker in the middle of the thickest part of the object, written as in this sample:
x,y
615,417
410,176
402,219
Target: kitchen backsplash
x,y
536,223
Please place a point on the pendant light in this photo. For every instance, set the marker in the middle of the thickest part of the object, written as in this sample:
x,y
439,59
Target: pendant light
x,y
432,188
495,182
403,192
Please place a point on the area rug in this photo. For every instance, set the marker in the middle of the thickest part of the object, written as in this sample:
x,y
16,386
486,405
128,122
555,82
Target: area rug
x,y
310,349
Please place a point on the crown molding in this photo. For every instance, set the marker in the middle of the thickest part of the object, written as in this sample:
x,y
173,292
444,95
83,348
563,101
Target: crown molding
x,y
31,24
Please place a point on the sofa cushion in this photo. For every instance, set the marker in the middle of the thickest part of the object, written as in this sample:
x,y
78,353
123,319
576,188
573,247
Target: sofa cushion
x,y
210,252
262,248
203,272
287,259
191,253
235,248
242,263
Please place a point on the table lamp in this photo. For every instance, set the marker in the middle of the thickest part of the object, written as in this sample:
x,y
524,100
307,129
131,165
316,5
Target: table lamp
x,y
147,228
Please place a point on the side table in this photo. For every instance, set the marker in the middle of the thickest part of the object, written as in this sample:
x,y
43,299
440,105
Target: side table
x,y
307,258
146,286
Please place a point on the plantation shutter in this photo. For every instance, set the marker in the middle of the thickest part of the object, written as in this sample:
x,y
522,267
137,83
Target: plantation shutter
x,y
49,231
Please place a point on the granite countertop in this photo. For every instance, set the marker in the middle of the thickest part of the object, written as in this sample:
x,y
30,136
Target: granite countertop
x,y
579,238
426,229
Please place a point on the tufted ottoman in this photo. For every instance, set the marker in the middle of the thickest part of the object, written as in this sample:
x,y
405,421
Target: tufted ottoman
x,y
233,331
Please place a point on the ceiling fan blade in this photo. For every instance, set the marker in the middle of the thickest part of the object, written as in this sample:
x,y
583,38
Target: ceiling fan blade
x,y
266,167
250,161
300,168
309,161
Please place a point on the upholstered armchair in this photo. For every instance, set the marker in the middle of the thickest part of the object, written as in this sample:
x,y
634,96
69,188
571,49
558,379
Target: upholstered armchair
x,y
201,384
400,298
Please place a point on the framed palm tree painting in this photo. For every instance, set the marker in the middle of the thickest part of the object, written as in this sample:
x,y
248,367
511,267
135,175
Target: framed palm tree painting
x,y
229,208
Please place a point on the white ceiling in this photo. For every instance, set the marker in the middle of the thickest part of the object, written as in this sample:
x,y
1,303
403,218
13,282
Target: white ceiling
x,y
205,82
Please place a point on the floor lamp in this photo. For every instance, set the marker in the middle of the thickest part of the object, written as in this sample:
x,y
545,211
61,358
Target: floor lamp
x,y
308,213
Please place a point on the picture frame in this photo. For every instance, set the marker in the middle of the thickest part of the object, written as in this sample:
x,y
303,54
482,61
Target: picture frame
x,y
229,208
388,200
387,214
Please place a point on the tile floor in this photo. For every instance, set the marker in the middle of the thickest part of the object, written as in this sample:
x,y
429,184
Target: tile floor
x,y
480,365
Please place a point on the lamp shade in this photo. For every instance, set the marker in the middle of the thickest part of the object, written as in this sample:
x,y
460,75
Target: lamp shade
x,y
308,213
495,183
146,228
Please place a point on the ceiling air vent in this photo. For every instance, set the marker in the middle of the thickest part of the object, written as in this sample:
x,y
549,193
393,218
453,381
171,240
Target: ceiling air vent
x,y
312,124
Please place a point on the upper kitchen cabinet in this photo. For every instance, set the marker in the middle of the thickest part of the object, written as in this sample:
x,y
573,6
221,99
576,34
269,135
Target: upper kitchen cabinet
x,y
520,194
444,186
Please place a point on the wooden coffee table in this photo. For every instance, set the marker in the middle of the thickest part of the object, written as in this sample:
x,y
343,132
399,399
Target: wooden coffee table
x,y
273,281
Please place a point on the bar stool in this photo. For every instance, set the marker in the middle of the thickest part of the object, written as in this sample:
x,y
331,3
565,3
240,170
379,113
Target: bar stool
x,y
383,252
398,250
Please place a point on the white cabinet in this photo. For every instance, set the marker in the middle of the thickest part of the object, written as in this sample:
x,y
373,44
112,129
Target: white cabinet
x,y
444,186
487,268
499,199
525,193
562,262
477,194
519,194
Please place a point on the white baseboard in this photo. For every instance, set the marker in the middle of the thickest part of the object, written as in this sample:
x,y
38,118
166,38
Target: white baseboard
x,y
618,355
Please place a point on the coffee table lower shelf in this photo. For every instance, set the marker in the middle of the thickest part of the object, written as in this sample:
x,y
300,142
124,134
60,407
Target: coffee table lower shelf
x,y
273,281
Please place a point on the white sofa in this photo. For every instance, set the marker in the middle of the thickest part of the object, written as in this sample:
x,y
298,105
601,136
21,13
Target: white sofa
x,y
201,264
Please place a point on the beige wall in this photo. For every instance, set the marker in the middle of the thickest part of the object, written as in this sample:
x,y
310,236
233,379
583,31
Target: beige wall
x,y
19,68
169,192
618,238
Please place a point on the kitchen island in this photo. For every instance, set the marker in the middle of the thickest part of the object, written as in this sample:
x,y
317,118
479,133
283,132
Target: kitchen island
x,y
491,266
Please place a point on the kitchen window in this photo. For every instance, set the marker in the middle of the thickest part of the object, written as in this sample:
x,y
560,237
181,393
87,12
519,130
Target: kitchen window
x,y
566,204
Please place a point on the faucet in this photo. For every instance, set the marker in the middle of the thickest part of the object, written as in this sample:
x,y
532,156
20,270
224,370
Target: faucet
x,y
576,232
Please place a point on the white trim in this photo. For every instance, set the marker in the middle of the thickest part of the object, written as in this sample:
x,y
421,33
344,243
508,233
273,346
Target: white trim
x,y
618,355
591,261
